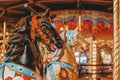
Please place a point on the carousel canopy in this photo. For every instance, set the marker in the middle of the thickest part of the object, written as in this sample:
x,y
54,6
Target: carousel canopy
x,y
13,10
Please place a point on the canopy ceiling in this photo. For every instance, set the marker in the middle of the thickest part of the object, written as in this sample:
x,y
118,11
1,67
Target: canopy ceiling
x,y
13,10
13,7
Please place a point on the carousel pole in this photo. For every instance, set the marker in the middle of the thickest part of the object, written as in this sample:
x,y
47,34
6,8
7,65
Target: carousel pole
x,y
79,16
116,54
3,12
79,22
31,9
4,34
2,55
79,32
94,68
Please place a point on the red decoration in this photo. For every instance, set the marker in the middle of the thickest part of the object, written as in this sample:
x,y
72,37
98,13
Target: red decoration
x,y
58,24
104,31
72,24
26,77
87,28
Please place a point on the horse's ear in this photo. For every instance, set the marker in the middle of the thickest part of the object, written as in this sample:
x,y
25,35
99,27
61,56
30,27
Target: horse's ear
x,y
53,16
47,13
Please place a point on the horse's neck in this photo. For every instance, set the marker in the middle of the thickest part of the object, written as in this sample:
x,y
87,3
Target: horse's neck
x,y
68,55
26,59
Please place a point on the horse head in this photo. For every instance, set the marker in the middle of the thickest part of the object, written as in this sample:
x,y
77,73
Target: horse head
x,y
50,37
35,28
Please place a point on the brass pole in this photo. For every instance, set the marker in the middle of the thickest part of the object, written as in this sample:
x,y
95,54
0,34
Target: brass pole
x,y
94,68
2,55
116,54
3,12
4,35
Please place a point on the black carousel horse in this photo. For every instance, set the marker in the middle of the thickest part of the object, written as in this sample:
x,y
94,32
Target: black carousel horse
x,y
23,60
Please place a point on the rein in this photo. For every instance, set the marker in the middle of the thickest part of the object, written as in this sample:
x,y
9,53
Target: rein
x,y
34,27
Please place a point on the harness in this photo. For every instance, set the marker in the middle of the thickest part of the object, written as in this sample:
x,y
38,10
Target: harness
x,y
35,27
20,69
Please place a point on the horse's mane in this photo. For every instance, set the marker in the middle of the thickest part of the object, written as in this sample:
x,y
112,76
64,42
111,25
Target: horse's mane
x,y
16,41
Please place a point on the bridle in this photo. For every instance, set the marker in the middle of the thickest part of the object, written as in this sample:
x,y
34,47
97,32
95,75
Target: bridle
x,y
35,27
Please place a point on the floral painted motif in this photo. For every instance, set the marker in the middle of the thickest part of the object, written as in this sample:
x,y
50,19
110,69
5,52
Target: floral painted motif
x,y
63,74
20,77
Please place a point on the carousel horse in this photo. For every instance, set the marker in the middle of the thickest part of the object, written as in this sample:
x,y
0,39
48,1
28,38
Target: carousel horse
x,y
23,60
105,53
61,64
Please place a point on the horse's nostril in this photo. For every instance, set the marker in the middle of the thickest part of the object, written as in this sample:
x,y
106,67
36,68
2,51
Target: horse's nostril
x,y
59,44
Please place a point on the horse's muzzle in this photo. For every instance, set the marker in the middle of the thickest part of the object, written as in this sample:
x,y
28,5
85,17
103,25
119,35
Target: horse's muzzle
x,y
59,43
